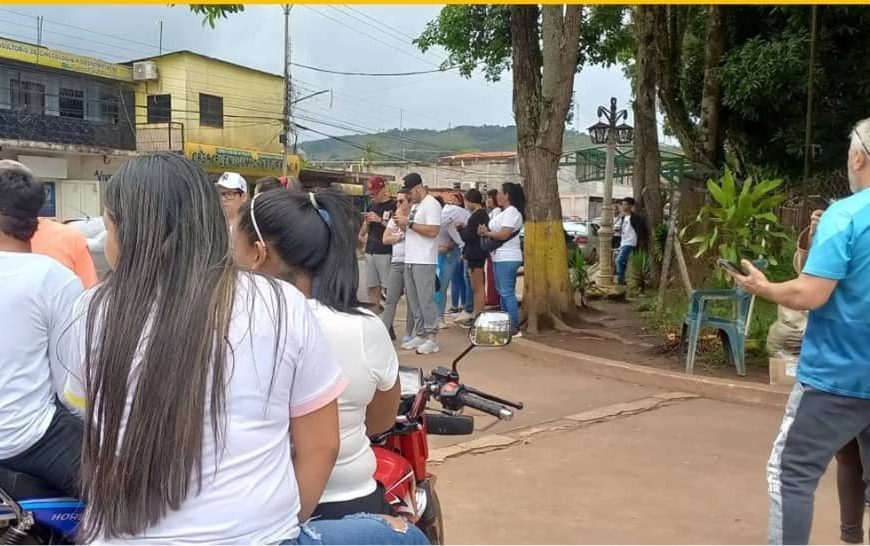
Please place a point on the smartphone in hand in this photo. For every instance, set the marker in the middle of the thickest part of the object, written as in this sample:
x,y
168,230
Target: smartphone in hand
x,y
731,266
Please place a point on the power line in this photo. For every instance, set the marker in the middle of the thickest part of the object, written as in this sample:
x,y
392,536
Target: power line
x,y
123,39
379,74
375,38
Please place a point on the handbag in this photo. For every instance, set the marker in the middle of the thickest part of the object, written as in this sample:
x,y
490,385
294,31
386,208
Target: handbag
x,y
490,245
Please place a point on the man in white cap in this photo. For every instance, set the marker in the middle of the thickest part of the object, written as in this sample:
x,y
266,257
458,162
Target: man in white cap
x,y
234,192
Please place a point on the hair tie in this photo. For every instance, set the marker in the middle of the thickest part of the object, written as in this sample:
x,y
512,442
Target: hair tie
x,y
283,180
324,215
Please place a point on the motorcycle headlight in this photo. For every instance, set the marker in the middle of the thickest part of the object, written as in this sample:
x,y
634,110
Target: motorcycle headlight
x,y
411,379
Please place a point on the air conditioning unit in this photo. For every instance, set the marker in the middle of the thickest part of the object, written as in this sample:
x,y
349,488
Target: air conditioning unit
x,y
144,71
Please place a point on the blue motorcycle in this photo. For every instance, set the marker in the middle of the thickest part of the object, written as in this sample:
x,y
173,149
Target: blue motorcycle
x,y
32,513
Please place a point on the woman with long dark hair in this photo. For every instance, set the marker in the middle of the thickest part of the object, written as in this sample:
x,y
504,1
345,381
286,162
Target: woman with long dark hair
x,y
308,240
504,229
195,378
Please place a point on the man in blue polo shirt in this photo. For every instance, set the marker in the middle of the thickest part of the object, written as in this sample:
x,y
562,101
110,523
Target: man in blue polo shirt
x,y
830,403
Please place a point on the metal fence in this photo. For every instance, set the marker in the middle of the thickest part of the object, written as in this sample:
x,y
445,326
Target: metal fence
x,y
816,193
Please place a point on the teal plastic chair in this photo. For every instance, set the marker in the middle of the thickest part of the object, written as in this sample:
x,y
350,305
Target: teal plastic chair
x,y
731,330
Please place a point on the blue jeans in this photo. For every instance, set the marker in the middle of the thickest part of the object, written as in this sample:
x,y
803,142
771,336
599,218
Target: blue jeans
x,y
506,284
446,266
469,288
356,529
459,286
622,262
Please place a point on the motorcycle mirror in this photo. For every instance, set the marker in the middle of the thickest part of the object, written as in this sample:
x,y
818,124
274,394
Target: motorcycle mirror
x,y
491,329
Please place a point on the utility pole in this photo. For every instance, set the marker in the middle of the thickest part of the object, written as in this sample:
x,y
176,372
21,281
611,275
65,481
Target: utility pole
x,y
808,131
288,126
160,43
401,118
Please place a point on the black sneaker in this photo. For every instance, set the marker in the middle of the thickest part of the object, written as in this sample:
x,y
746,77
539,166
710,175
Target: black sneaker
x,y
392,334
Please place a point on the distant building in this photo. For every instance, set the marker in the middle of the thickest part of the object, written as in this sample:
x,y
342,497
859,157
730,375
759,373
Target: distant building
x,y
69,118
223,116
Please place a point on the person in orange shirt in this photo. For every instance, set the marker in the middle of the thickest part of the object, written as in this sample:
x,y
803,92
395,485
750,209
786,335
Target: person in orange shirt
x,y
66,245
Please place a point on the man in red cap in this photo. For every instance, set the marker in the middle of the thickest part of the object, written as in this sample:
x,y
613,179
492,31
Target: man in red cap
x,y
377,255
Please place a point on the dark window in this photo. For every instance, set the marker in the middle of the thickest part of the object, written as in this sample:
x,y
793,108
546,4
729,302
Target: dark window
x,y
72,103
108,108
28,96
211,110
159,108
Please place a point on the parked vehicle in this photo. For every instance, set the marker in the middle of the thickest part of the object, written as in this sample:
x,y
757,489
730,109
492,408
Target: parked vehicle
x,y
45,517
94,231
403,451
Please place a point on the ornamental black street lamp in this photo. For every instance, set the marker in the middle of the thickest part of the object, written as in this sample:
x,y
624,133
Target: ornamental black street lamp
x,y
609,131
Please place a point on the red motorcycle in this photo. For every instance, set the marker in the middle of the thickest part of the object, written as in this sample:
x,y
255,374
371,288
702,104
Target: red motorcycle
x,y
403,451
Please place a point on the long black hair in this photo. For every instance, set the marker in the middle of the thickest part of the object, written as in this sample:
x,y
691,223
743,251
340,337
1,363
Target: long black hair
x,y
516,196
312,234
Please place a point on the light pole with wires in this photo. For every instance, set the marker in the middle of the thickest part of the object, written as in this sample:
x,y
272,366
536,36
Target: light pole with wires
x,y
611,133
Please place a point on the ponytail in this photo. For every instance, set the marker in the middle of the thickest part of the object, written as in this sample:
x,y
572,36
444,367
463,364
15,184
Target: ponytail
x,y
312,234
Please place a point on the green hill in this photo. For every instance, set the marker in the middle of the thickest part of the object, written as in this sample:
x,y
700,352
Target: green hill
x,y
423,144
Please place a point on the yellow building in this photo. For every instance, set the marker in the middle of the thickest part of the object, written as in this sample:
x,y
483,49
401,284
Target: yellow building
x,y
224,116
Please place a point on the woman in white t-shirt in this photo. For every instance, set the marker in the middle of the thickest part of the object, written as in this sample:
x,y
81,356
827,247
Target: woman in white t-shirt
x,y
309,241
508,257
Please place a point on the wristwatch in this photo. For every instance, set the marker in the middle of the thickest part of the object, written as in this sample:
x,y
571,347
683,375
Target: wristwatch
x,y
411,224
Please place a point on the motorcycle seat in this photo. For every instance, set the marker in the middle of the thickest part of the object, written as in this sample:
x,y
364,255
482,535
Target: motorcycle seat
x,y
19,485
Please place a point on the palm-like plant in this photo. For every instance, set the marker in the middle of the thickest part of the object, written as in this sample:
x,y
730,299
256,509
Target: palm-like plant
x,y
740,222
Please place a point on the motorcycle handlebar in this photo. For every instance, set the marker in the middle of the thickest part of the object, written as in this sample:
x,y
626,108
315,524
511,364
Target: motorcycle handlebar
x,y
486,406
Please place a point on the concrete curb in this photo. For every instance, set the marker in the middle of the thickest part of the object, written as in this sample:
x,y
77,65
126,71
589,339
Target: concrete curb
x,y
707,387
493,442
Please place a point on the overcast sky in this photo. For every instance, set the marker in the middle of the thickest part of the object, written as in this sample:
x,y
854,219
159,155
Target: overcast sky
x,y
337,37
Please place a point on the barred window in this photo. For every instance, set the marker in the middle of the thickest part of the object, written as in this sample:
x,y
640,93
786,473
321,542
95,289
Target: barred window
x,y
211,110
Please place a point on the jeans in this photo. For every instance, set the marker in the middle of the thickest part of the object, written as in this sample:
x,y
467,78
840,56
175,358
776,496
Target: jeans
x,y
446,266
395,288
506,284
622,262
469,287
56,457
357,529
420,291
459,286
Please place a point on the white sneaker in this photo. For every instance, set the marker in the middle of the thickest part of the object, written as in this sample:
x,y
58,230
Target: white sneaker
x,y
463,316
428,347
442,325
413,343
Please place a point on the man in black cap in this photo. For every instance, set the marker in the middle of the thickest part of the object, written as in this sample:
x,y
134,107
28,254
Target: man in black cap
x,y
421,255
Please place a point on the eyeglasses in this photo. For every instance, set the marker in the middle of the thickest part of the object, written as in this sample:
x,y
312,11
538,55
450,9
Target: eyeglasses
x,y
226,196
861,140
401,201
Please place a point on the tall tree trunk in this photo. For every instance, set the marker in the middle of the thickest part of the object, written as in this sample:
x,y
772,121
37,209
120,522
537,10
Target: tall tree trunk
x,y
647,168
711,101
544,62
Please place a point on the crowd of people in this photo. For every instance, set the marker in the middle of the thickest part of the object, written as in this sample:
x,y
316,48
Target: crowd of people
x,y
433,248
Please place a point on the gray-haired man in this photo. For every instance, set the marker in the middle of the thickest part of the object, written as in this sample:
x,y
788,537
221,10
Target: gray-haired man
x,y
830,403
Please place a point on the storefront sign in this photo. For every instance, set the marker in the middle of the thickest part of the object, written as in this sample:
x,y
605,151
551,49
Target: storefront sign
x,y
214,159
49,208
52,58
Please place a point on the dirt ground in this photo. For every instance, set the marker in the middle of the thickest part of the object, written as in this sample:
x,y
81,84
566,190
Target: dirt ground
x,y
642,345
688,473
